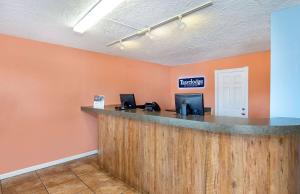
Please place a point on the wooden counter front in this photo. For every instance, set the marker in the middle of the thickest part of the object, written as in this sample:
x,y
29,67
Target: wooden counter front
x,y
163,159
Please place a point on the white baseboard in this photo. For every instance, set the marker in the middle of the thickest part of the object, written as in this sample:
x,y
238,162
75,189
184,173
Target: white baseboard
x,y
45,165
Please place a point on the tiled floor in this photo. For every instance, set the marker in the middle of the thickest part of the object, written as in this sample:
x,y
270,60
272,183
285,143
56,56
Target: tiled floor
x,y
77,177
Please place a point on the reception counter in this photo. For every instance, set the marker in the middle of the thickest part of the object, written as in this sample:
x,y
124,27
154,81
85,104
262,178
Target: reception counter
x,y
161,152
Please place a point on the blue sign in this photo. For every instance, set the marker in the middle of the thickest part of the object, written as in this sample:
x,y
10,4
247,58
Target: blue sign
x,y
191,82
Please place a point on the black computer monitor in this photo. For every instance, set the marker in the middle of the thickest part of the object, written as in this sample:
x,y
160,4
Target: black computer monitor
x,y
194,101
128,101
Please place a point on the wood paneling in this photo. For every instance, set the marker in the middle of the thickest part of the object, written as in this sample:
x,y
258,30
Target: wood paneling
x,y
161,159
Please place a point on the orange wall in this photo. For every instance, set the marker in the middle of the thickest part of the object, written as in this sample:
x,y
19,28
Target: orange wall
x,y
259,80
42,87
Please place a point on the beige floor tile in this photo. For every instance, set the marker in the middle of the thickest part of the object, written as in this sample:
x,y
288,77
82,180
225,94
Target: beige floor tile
x,y
95,179
57,179
111,187
87,191
130,191
33,191
92,160
0,188
62,179
25,187
84,169
53,170
27,183
71,187
25,178
56,175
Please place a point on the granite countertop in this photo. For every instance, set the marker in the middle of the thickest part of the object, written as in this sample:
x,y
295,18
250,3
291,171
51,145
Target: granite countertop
x,y
217,124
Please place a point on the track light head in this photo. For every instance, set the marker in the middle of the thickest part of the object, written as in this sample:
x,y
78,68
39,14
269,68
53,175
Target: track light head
x,y
149,34
122,46
180,24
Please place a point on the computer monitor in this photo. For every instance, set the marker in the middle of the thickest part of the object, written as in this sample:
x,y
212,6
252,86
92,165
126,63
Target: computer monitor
x,y
128,101
194,101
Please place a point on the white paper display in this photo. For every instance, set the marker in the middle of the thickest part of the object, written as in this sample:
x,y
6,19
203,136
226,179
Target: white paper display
x,y
99,102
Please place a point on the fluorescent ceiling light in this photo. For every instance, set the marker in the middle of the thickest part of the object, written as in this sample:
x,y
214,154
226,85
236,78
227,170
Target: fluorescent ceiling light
x,y
101,9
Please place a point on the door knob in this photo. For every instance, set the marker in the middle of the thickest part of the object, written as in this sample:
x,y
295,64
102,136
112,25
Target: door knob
x,y
243,114
243,109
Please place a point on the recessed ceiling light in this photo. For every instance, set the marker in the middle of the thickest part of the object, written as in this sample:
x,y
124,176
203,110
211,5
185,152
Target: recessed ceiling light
x,y
101,9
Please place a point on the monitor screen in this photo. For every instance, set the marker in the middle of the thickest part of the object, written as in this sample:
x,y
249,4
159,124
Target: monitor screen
x,y
128,101
195,103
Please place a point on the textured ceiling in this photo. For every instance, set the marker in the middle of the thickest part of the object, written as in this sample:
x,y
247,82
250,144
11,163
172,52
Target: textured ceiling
x,y
229,27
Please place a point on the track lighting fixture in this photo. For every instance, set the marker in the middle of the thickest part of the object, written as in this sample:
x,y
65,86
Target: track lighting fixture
x,y
147,32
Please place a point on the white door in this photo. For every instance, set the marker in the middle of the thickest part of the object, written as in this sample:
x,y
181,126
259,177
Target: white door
x,y
231,95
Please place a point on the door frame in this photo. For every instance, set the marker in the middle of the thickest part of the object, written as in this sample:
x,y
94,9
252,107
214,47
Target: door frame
x,y
218,72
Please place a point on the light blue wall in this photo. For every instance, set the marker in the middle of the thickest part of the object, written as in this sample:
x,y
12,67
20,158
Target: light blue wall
x,y
285,63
